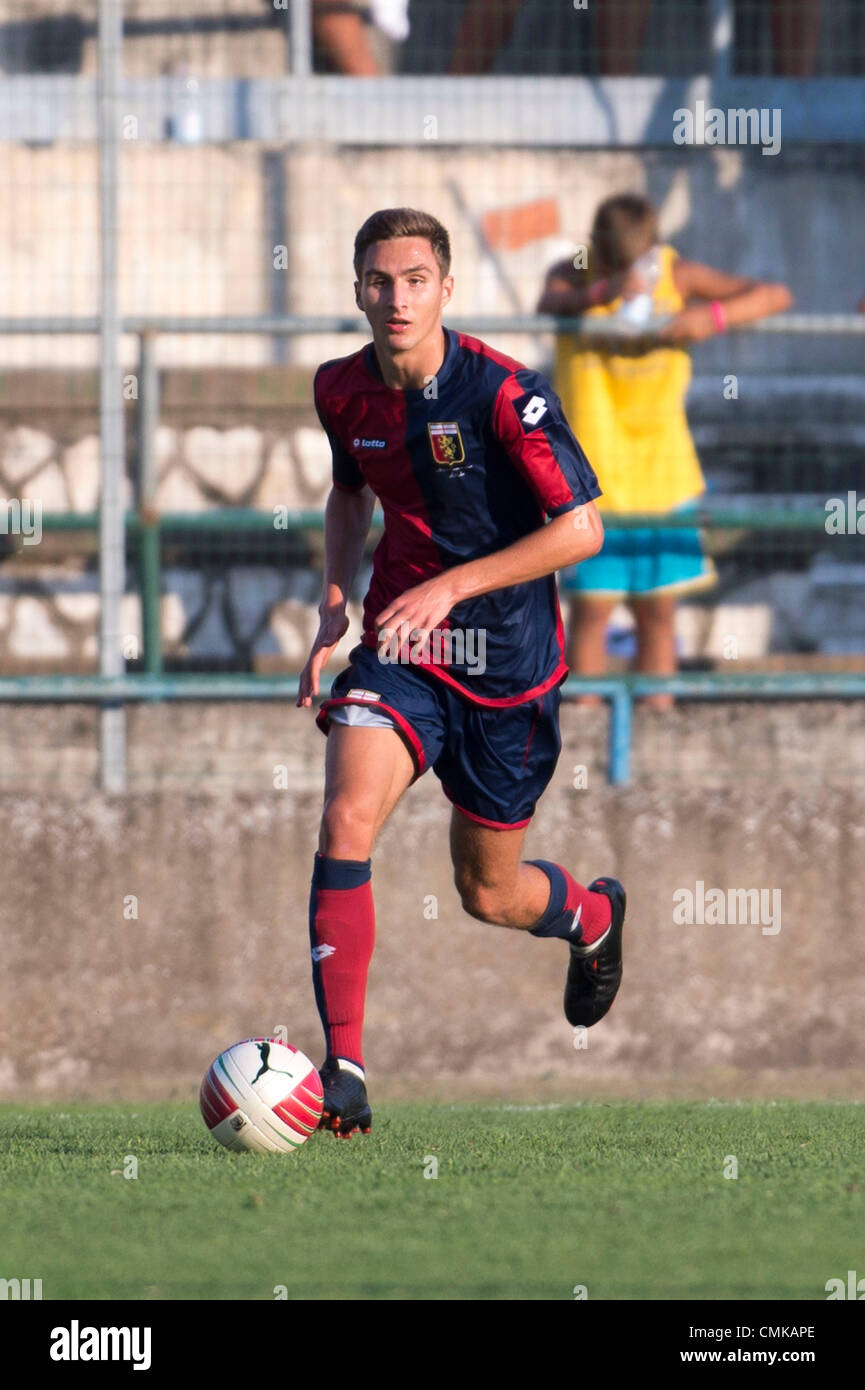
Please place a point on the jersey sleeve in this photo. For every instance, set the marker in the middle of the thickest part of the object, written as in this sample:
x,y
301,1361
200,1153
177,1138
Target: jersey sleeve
x,y
347,476
530,424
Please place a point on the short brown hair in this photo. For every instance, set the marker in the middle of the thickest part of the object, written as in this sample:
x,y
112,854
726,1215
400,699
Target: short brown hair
x,y
394,222
624,227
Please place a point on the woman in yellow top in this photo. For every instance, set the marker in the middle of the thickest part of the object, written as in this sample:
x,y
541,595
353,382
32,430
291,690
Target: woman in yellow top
x,y
624,397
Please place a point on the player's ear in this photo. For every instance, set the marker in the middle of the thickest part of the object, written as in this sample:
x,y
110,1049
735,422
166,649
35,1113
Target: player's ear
x,y
357,294
447,289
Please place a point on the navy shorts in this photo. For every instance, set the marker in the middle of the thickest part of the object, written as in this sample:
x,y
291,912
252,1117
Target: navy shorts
x,y
494,763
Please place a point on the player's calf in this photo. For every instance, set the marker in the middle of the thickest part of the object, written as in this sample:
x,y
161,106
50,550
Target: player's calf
x,y
493,904
590,919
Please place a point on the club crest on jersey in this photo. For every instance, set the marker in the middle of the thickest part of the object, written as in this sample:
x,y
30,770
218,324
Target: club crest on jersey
x,y
446,443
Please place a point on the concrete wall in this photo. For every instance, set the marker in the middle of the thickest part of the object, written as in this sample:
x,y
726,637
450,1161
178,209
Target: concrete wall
x,y
97,1003
258,53
200,223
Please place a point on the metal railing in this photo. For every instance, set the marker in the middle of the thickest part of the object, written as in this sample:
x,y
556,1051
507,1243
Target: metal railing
x,y
620,692
504,112
147,529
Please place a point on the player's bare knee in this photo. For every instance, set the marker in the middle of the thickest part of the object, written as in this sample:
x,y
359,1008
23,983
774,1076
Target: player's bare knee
x,y
480,900
347,829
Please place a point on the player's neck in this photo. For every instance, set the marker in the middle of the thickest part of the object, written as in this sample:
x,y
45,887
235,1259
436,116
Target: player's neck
x,y
412,370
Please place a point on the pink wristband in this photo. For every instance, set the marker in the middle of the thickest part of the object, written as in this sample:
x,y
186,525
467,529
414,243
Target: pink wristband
x,y
719,316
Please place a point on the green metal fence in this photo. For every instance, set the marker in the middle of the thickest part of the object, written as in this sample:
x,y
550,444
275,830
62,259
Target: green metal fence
x,y
150,535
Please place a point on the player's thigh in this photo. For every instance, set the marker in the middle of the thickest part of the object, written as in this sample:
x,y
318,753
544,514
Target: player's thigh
x,y
366,772
496,763
496,766
484,858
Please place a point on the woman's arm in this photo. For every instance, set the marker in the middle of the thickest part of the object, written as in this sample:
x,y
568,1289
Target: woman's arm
x,y
715,300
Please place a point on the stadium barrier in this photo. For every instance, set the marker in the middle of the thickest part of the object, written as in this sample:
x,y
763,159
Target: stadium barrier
x,y
619,691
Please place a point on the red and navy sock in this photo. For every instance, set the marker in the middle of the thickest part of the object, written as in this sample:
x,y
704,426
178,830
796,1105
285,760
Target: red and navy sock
x,y
573,913
341,936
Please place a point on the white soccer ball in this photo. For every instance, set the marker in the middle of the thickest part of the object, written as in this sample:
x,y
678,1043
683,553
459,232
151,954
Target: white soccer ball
x,y
261,1095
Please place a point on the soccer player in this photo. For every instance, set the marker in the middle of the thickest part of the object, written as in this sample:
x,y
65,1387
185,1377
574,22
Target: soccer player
x,y
461,656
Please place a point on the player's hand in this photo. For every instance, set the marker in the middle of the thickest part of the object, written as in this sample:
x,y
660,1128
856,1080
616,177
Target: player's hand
x,y
690,325
415,614
332,626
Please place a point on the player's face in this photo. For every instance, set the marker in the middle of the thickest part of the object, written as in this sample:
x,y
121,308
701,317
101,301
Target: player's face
x,y
402,292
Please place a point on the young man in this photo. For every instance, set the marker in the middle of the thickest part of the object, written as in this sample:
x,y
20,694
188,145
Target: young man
x,y
461,655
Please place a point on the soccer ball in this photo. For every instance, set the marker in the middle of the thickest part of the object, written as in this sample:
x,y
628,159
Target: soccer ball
x,y
261,1095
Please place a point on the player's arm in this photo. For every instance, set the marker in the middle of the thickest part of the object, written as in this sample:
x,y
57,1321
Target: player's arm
x,y
715,301
563,541
347,516
528,421
347,519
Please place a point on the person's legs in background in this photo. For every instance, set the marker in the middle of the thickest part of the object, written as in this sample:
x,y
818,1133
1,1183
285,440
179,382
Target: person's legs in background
x,y
586,654
655,615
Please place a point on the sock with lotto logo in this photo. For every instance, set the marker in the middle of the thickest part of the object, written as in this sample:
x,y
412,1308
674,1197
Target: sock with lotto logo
x,y
341,936
573,913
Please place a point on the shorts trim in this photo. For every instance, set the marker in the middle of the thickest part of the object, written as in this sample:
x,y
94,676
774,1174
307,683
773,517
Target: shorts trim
x,y
681,586
504,702
602,595
399,720
678,586
482,820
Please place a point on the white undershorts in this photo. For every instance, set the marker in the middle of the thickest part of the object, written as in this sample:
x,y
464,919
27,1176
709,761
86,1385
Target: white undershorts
x,y
360,715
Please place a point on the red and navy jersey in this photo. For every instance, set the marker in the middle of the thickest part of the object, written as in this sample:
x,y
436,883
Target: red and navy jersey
x,y
463,467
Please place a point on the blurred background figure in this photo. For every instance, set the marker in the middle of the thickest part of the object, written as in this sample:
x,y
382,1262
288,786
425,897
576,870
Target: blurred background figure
x,y
628,38
484,29
625,401
795,36
620,34
359,39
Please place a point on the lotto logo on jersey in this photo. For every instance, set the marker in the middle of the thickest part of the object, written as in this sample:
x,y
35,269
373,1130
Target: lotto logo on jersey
x,y
532,410
446,443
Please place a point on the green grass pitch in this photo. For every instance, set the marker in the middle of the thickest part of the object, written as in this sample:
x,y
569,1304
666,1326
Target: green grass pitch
x,y
629,1200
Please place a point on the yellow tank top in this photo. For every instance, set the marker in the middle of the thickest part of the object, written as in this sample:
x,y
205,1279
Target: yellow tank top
x,y
628,412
